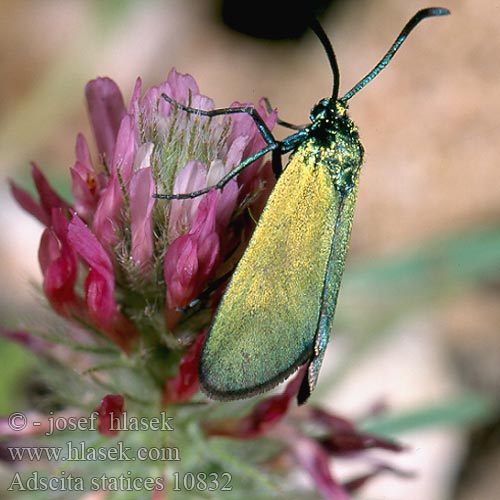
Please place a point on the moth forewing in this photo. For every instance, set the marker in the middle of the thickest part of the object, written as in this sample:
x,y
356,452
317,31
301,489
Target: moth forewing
x,y
278,309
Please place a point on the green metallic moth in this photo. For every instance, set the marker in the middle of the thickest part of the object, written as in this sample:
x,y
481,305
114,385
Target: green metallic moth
x,y
277,311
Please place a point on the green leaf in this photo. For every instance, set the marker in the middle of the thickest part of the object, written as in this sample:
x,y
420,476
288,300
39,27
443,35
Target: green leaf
x,y
463,410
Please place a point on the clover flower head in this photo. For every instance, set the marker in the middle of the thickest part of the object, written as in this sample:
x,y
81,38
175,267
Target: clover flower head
x,y
134,282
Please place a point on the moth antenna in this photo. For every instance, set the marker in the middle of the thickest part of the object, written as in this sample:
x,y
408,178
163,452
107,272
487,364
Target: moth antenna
x,y
332,58
410,25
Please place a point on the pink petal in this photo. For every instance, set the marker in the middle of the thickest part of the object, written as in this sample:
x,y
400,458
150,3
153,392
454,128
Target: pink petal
x,y
110,413
191,259
182,212
359,481
258,174
99,294
108,215
184,385
208,255
49,250
152,103
86,183
49,199
226,205
181,265
205,221
33,343
204,230
185,90
135,110
202,102
89,248
263,417
317,464
243,124
183,86
343,437
27,202
82,153
106,110
100,286
83,188
228,196
124,152
142,188
59,266
134,100
235,153
100,282
143,156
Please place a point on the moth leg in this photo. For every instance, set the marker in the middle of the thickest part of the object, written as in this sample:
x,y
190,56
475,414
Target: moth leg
x,y
305,389
271,145
203,297
276,163
279,121
249,110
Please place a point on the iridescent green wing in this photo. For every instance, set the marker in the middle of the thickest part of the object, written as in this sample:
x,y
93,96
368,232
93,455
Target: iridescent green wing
x,y
267,322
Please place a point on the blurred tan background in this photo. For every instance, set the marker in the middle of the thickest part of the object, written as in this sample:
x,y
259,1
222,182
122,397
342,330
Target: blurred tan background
x,y
429,123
